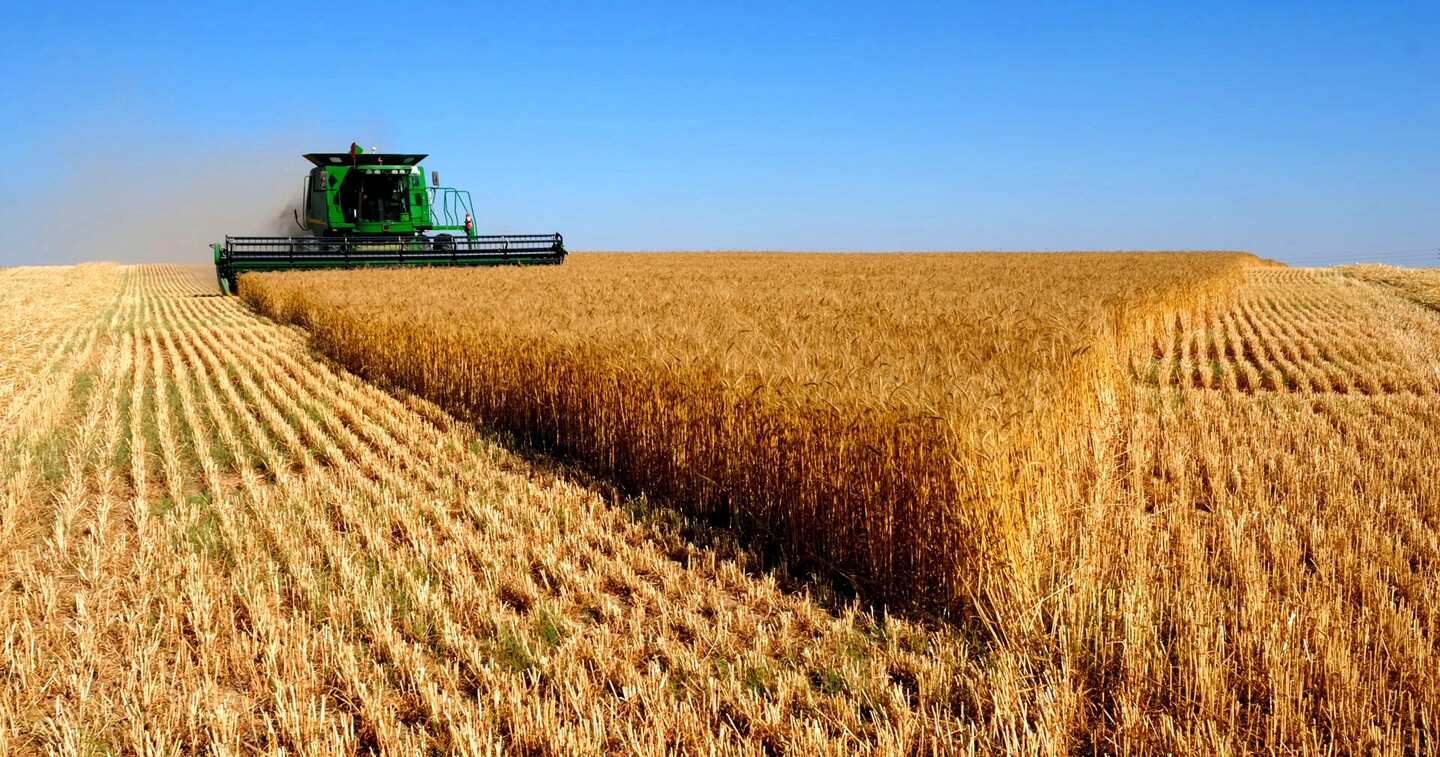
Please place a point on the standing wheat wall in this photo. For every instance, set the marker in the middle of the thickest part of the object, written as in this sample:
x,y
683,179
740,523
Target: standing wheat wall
x,y
887,419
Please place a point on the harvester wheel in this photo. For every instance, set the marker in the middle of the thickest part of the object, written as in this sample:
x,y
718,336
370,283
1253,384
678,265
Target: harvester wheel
x,y
444,243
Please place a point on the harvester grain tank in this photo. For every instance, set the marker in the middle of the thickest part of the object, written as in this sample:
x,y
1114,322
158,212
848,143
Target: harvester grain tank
x,y
374,209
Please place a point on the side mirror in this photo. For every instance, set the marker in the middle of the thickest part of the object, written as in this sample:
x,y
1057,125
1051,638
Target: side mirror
x,y
435,178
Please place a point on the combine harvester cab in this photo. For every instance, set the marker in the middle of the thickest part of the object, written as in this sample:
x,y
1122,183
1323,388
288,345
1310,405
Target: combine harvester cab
x,y
374,209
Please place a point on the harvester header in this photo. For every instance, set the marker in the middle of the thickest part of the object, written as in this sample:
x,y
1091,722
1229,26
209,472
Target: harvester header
x,y
374,209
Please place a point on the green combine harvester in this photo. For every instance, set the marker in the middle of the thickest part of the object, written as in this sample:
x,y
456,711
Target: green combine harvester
x,y
373,209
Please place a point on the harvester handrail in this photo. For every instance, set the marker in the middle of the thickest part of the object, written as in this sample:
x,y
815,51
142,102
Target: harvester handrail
x,y
452,206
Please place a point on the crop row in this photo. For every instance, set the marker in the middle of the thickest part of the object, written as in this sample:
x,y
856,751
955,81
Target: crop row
x,y
1308,336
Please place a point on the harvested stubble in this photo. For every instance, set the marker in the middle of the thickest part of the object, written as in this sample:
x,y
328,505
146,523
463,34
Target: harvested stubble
x,y
888,418
1419,284
1268,559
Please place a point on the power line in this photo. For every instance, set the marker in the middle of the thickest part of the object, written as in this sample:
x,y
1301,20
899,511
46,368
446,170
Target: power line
x,y
1413,258
1423,258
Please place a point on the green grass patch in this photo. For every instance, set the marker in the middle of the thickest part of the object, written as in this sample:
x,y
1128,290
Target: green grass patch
x,y
149,428
162,506
51,449
203,533
220,452
759,680
120,458
548,627
512,653
828,680
82,387
185,435
315,413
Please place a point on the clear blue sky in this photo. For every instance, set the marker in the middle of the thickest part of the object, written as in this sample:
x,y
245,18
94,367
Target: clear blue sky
x,y
1303,131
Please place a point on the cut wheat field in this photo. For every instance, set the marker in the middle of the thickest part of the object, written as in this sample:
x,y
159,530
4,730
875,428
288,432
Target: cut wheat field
x,y
1159,504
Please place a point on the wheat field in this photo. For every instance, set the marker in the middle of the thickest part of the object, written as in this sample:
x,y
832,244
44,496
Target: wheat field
x,y
875,417
216,540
